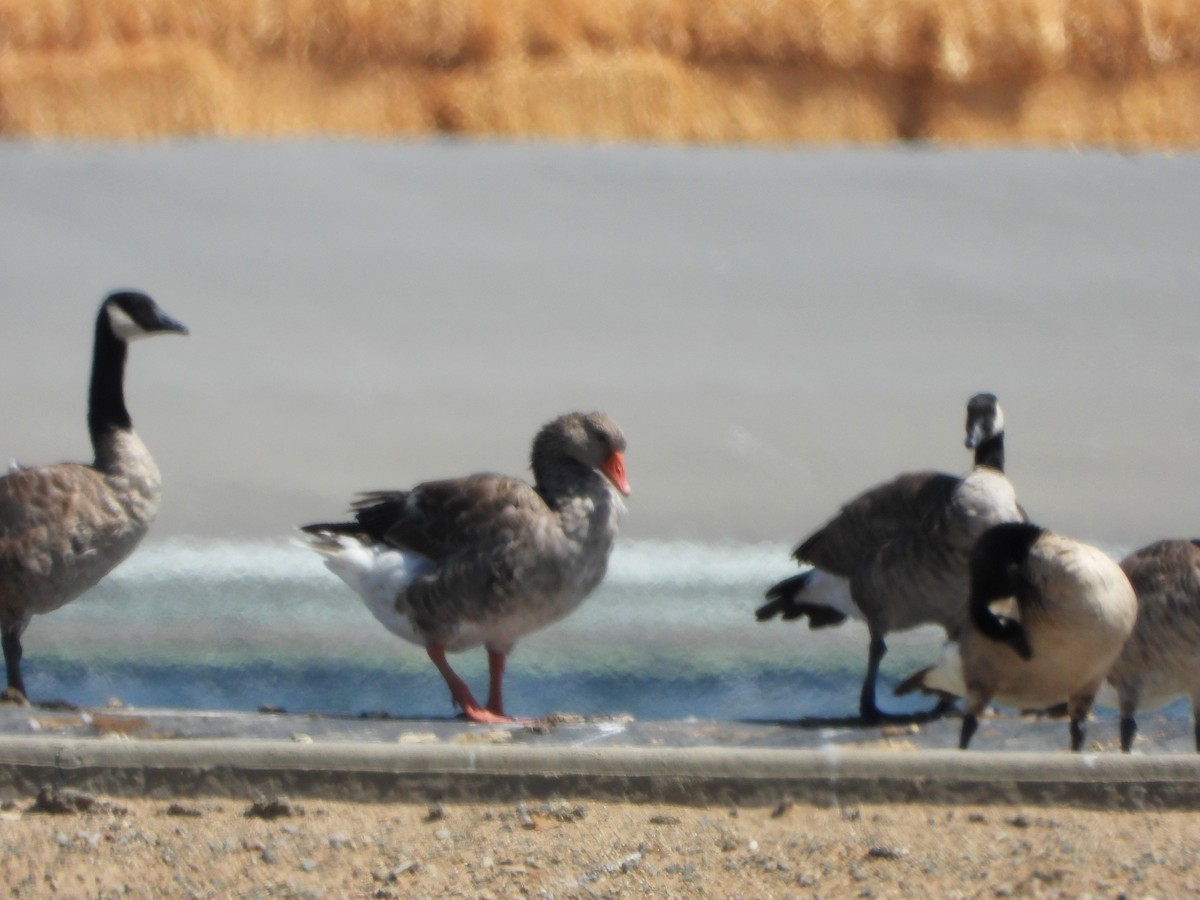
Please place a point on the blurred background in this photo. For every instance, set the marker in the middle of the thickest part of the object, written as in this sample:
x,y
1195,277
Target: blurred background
x,y
781,244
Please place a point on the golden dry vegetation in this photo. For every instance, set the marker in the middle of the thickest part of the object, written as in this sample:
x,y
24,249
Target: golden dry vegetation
x,y
1120,73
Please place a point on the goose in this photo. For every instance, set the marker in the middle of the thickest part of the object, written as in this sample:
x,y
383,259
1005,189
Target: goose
x,y
64,527
896,556
1161,659
485,559
1066,610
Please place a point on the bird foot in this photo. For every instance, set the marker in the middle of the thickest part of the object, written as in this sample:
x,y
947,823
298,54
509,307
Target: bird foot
x,y
483,716
13,697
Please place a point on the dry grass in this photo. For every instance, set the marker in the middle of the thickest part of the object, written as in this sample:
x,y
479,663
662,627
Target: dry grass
x,y
1041,71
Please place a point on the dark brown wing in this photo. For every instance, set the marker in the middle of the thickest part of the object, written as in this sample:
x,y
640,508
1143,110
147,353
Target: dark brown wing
x,y
1165,569
875,518
439,519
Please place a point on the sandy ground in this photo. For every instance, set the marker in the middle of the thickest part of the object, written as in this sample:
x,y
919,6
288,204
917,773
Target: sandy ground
x,y
568,848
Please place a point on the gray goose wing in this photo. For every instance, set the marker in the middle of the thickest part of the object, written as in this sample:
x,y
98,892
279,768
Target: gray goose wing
x,y
876,518
492,540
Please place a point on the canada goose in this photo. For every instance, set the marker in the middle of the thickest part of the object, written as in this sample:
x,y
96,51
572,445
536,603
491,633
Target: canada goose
x,y
1161,659
486,559
64,527
897,554
1067,610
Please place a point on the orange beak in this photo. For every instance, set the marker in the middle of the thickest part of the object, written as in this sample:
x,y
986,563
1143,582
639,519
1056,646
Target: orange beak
x,y
614,471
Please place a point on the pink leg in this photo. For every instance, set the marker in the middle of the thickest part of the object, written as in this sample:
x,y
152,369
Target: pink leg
x,y
496,661
459,690
495,677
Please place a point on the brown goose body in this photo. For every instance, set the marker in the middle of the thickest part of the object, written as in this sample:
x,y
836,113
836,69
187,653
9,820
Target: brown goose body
x,y
897,555
486,559
64,527
1161,659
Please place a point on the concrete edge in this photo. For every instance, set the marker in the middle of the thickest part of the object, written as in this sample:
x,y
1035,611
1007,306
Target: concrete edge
x,y
694,776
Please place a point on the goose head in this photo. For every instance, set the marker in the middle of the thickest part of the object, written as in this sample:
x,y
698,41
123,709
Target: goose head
x,y
592,439
131,315
998,571
985,420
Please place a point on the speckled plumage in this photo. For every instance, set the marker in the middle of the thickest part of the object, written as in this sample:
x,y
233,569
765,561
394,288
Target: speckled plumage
x,y
64,527
900,550
486,559
1161,659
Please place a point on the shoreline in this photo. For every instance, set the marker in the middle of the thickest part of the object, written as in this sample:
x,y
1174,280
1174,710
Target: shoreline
x,y
179,753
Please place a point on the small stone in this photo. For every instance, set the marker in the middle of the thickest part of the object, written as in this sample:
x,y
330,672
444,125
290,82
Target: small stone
x,y
442,834
435,813
662,819
63,802
178,809
271,808
887,853
308,865
339,840
270,855
524,818
1020,821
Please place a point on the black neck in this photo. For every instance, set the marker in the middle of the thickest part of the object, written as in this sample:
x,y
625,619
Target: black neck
x,y
106,399
991,453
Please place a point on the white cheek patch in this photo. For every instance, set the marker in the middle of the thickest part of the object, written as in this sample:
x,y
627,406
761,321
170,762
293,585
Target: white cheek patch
x,y
123,325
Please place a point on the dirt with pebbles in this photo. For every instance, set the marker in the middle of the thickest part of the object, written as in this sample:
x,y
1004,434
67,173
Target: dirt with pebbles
x,y
65,844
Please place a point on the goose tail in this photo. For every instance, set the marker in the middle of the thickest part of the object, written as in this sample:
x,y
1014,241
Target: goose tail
x,y
823,597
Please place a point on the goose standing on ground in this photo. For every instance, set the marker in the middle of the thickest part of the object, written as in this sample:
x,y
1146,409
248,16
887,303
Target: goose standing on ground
x,y
1161,660
1067,609
64,527
487,559
897,555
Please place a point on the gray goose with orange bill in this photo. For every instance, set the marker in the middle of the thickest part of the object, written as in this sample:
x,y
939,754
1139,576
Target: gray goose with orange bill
x,y
486,559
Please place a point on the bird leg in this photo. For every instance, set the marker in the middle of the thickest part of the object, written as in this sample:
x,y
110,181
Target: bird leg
x,y
1127,701
975,703
866,699
1078,708
463,698
496,661
1196,721
11,640
1128,731
970,722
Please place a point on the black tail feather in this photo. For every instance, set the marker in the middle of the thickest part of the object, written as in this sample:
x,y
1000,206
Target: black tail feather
x,y
785,603
332,528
